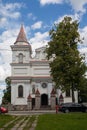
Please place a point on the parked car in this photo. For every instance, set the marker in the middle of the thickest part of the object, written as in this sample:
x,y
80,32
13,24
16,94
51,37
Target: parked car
x,y
3,110
72,107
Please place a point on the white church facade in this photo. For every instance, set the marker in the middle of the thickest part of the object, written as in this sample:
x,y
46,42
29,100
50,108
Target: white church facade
x,y
31,83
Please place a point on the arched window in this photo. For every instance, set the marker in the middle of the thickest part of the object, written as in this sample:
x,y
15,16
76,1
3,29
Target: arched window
x,y
33,90
20,91
20,58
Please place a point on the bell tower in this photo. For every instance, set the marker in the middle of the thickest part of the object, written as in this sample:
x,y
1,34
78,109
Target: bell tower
x,y
20,69
21,50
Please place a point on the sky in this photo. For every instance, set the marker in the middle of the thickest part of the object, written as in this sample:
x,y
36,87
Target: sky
x,y
38,18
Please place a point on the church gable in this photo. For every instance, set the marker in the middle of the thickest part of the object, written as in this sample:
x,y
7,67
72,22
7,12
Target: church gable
x,y
40,65
40,53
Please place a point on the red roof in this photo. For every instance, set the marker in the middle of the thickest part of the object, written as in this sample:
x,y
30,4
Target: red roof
x,y
37,91
29,97
21,36
61,96
53,91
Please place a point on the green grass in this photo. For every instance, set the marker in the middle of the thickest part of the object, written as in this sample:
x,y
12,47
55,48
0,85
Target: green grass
x,y
13,123
71,121
5,119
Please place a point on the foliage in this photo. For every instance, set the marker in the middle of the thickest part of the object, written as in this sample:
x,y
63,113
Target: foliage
x,y
67,65
82,94
7,93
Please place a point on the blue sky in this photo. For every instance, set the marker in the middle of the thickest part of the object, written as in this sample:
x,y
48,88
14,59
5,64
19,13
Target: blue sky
x,y
38,17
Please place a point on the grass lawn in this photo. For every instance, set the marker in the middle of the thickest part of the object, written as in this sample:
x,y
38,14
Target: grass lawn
x,y
71,121
4,119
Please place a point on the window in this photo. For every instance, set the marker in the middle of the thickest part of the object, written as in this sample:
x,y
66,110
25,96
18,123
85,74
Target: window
x,y
68,93
33,90
20,58
44,85
20,91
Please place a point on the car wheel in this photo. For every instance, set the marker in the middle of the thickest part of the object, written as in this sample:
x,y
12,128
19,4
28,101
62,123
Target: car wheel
x,y
67,111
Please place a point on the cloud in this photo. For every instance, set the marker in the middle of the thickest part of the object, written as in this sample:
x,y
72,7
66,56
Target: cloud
x,y
37,25
78,5
83,33
39,37
83,46
10,10
3,21
7,38
74,17
44,2
31,16
2,72
39,40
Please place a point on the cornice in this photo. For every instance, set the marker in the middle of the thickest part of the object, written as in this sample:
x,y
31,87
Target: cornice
x,y
27,79
30,77
20,47
32,63
20,64
39,62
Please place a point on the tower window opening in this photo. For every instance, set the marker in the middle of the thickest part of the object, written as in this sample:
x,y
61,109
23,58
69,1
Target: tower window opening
x,y
20,91
20,58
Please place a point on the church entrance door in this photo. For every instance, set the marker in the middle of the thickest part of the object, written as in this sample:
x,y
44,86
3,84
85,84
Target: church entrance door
x,y
33,103
44,100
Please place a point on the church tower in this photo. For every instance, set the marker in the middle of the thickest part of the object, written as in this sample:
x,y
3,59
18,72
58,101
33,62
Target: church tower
x,y
21,49
21,55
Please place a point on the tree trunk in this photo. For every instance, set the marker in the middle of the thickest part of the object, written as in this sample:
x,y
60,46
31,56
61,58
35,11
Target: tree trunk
x,y
73,98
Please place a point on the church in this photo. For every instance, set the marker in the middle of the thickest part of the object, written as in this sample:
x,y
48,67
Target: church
x,y
31,84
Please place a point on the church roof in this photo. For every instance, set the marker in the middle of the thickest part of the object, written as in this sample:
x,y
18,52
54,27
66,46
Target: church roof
x,y
37,91
61,96
21,36
22,40
53,91
29,96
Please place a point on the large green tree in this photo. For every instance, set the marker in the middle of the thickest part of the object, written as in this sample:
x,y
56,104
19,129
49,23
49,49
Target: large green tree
x,y
82,94
7,92
67,65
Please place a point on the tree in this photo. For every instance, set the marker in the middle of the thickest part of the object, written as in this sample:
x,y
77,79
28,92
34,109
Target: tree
x,y
7,93
67,65
82,94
